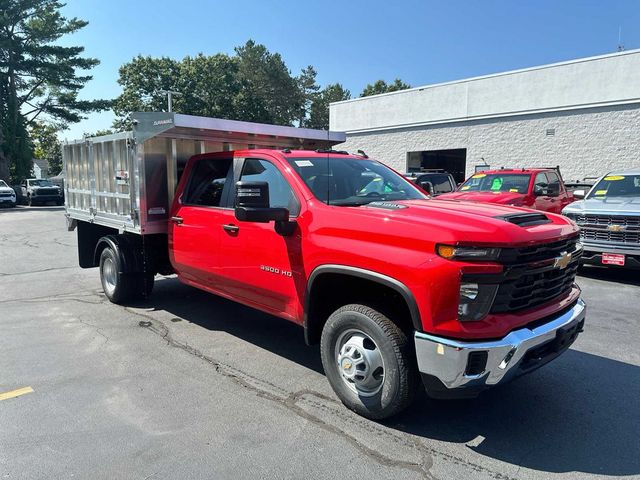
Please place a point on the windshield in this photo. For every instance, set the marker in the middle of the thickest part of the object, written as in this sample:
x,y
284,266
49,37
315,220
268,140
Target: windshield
x,y
617,186
497,182
2,184
352,182
41,183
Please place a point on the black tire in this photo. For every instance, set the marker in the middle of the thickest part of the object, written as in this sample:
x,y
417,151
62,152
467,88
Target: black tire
x,y
117,286
145,285
399,376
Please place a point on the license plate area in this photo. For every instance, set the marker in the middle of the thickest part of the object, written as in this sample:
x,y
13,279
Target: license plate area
x,y
542,354
613,259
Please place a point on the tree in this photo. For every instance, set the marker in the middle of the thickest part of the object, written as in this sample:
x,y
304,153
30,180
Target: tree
x,y
141,79
38,77
381,86
308,91
209,86
99,133
319,111
46,145
269,93
253,85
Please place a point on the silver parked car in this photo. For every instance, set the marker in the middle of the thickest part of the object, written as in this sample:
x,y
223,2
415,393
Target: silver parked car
x,y
609,220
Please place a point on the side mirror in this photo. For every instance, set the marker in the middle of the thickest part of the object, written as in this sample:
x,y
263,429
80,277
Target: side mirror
x,y
540,189
553,190
252,204
579,194
427,187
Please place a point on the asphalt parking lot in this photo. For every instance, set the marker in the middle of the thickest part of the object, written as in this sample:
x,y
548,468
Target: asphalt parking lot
x,y
188,385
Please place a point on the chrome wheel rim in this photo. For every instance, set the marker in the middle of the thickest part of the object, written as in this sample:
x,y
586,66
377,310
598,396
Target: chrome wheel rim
x,y
109,275
360,362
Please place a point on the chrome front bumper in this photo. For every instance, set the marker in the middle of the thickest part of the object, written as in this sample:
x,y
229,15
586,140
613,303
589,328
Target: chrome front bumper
x,y
521,351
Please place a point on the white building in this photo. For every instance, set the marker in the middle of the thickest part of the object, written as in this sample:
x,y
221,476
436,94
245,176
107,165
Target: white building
x,y
583,115
40,168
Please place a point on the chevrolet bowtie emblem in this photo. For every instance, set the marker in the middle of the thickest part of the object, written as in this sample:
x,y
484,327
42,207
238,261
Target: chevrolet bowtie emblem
x,y
616,228
562,261
346,365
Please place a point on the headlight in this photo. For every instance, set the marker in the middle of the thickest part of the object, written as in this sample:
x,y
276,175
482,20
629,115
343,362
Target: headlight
x,y
451,252
475,301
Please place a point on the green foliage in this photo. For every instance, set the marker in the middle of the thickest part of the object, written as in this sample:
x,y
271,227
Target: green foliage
x,y
309,91
141,79
99,133
252,85
319,111
381,86
38,77
46,145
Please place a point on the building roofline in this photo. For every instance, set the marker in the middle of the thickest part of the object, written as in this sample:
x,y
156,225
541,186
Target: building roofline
x,y
494,75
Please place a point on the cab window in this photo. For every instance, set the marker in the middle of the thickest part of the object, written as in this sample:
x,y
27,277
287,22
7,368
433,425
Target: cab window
x,y
554,184
280,193
209,182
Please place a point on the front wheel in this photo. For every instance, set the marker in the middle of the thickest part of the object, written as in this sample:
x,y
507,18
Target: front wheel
x,y
368,361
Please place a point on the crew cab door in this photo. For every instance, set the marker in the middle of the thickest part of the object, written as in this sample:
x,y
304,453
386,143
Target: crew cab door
x,y
558,193
259,266
540,191
197,216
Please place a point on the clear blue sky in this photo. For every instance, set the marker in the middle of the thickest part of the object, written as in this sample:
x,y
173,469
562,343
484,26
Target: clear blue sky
x,y
353,42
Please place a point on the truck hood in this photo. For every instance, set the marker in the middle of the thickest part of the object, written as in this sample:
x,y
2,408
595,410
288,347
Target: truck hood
x,y
485,197
620,205
442,221
6,190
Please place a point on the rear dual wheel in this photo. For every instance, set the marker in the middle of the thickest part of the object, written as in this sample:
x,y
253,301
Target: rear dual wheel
x,y
118,286
368,361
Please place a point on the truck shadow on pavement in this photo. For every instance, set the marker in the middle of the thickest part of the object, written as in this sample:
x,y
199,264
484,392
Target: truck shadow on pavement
x,y
578,414
215,313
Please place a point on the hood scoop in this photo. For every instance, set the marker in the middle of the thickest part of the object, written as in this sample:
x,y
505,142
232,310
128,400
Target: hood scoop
x,y
525,219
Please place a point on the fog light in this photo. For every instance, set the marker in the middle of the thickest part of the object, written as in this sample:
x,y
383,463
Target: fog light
x,y
475,300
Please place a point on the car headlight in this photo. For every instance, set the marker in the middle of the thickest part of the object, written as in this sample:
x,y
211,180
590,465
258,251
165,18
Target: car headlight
x,y
451,252
475,301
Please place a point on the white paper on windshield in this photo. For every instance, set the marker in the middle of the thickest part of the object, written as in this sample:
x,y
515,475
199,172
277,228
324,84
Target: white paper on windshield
x,y
304,163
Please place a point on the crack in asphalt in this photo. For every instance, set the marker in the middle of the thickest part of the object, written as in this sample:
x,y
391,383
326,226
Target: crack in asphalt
x,y
292,400
5,274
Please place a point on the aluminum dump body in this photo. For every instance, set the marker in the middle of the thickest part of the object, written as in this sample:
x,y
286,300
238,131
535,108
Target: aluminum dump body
x,y
127,180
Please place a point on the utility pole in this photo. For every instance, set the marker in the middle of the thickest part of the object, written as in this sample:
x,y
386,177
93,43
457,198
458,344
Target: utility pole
x,y
169,94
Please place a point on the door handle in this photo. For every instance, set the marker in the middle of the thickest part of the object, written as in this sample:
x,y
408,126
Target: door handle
x,y
231,228
177,220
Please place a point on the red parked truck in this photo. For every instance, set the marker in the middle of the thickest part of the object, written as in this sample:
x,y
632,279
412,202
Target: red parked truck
x,y
393,285
538,188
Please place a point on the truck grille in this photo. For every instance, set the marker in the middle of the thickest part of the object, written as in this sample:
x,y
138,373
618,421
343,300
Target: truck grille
x,y
531,277
602,228
6,194
47,191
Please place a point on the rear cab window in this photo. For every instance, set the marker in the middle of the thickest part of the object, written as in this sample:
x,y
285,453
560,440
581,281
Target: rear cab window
x,y
209,183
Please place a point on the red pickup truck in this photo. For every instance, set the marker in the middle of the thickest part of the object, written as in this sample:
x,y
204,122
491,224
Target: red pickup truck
x,y
395,286
538,188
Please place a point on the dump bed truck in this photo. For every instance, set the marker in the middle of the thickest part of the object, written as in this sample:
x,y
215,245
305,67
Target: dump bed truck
x,y
395,286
